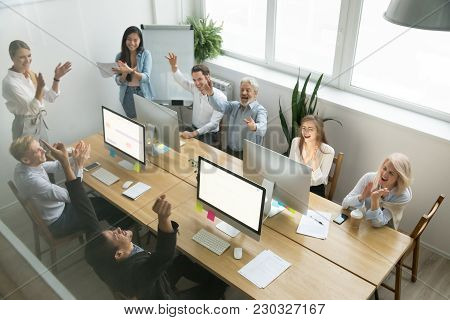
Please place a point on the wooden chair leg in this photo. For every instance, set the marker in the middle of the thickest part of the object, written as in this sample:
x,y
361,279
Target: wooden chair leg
x,y
53,260
415,262
377,297
398,279
37,242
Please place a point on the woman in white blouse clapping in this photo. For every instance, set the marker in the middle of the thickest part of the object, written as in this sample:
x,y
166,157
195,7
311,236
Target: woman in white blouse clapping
x,y
25,92
311,149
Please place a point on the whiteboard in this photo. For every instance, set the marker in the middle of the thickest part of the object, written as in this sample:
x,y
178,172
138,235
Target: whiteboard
x,y
159,40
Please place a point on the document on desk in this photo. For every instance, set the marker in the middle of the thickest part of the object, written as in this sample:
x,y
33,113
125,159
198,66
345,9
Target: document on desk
x,y
264,268
315,224
136,191
106,69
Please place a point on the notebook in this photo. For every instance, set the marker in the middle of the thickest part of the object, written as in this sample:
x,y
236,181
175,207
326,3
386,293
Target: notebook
x,y
136,191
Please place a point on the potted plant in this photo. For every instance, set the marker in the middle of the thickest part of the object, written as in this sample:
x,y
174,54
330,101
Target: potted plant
x,y
207,38
300,107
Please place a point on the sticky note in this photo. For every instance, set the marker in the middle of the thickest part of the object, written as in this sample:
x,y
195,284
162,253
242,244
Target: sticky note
x,y
137,167
198,206
291,210
211,216
112,152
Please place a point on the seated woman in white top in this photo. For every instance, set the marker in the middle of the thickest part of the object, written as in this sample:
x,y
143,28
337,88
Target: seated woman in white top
x,y
25,92
383,194
311,149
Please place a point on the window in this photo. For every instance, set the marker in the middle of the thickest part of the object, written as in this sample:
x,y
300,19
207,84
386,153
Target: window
x,y
244,23
413,67
306,33
347,40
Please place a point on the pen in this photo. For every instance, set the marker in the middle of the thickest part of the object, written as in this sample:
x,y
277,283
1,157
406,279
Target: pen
x,y
315,219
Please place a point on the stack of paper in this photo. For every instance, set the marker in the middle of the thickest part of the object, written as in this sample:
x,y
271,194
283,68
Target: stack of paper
x,y
315,224
264,268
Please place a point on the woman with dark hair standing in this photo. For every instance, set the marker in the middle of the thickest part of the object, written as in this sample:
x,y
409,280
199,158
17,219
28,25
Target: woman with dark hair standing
x,y
134,65
311,149
25,92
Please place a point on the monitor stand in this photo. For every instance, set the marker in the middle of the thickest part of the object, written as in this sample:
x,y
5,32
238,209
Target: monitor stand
x,y
271,206
127,165
227,229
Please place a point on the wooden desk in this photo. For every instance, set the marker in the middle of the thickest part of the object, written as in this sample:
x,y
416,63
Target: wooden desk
x,y
180,164
309,277
159,180
369,252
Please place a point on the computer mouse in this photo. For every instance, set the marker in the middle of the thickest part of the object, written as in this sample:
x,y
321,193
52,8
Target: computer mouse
x,y
237,253
127,184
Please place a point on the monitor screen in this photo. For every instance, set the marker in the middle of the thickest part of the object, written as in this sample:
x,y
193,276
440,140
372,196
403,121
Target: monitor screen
x,y
234,199
292,179
161,117
124,134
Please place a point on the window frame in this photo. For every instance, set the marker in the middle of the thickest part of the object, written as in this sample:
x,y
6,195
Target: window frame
x,y
344,58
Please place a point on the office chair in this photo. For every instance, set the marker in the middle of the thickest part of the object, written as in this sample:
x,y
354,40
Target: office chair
x,y
40,228
333,177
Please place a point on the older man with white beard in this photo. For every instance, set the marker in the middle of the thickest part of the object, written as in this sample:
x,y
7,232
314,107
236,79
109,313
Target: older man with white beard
x,y
247,119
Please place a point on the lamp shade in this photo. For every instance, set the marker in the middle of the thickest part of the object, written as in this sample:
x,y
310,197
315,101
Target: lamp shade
x,y
420,14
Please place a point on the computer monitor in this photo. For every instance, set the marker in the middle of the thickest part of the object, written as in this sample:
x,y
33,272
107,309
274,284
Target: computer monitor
x,y
162,118
290,180
126,136
234,199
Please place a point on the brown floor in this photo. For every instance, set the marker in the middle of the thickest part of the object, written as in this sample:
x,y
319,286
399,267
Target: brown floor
x,y
75,274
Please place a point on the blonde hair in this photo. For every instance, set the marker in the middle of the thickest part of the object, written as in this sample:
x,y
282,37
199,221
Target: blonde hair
x,y
401,164
20,147
15,45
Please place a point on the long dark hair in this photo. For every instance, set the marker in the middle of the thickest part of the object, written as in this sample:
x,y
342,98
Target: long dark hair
x,y
321,138
125,52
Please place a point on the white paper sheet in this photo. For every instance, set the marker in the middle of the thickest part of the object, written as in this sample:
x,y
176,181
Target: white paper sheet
x,y
106,69
264,268
310,226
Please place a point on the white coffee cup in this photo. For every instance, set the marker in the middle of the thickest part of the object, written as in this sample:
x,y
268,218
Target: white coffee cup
x,y
356,217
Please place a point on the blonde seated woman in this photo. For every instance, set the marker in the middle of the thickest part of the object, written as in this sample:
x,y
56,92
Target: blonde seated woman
x,y
383,195
311,149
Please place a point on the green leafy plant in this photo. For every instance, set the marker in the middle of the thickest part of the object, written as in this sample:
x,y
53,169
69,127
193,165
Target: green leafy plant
x,y
301,106
207,38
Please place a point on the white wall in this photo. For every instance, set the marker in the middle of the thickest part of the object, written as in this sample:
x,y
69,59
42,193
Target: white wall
x,y
91,31
365,141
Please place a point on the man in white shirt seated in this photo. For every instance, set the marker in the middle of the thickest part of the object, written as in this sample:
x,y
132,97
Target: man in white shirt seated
x,y
53,201
205,120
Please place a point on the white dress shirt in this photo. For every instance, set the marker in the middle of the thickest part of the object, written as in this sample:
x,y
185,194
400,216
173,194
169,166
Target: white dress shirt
x,y
204,117
19,93
325,155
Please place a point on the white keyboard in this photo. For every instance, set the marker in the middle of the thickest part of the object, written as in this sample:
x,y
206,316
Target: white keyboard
x,y
105,176
135,191
211,241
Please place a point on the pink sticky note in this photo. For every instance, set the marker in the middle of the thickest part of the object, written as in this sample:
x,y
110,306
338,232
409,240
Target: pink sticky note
x,y
211,216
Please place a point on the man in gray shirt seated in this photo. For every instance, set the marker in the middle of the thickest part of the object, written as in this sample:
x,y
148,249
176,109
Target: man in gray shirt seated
x,y
53,202
247,119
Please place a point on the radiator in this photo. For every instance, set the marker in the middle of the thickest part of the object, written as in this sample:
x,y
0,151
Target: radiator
x,y
224,86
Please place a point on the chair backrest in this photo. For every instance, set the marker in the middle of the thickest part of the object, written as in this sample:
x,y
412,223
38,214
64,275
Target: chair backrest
x,y
33,213
334,175
425,219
